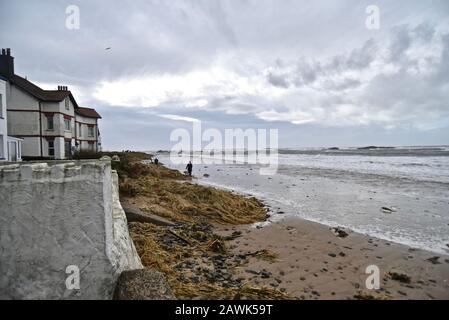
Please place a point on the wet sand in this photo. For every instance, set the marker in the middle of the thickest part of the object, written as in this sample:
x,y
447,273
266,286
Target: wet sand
x,y
314,263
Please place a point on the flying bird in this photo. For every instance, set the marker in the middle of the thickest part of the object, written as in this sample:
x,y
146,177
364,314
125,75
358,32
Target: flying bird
x,y
108,48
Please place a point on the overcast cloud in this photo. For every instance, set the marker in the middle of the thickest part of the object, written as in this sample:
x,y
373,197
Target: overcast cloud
x,y
309,68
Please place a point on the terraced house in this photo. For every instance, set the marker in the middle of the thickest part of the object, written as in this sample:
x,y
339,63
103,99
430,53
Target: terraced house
x,y
50,122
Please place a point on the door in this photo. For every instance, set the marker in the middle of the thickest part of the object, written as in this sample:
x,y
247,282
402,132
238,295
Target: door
x,y
67,149
12,151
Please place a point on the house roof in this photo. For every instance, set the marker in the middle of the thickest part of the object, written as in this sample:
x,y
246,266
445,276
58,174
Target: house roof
x,y
39,93
87,112
51,95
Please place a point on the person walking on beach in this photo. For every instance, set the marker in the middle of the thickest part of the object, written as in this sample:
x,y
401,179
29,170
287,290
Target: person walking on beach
x,y
189,168
156,161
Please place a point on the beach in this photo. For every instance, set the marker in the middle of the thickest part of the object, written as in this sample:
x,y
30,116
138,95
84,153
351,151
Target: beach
x,y
228,242
314,263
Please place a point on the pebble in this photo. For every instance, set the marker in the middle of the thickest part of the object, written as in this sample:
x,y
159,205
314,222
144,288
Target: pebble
x,y
434,260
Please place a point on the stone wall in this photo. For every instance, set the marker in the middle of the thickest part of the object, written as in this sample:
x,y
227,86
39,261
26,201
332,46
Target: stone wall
x,y
59,214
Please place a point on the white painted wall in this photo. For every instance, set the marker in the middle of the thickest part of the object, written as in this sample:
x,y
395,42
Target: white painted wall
x,y
23,123
19,99
31,147
60,214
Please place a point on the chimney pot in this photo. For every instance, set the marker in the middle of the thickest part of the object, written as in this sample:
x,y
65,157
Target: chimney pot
x,y
6,63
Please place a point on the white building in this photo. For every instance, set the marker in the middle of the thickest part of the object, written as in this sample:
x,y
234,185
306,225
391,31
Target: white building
x,y
50,122
10,147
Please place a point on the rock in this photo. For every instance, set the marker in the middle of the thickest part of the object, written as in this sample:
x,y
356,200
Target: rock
x,y
401,277
434,260
333,255
115,158
339,232
253,271
145,284
388,210
134,214
206,175
265,274
342,254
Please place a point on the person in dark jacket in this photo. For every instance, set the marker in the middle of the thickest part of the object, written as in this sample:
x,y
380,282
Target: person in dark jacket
x,y
189,168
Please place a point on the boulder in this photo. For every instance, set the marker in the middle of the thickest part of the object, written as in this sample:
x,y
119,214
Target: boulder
x,y
145,284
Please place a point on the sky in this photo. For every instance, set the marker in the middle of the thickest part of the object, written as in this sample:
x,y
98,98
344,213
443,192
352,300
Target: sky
x,y
311,69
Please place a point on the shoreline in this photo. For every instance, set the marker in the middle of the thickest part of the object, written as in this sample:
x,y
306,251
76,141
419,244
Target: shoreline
x,y
428,280
277,214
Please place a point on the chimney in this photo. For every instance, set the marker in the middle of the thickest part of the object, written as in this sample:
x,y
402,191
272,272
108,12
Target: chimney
x,y
62,88
6,64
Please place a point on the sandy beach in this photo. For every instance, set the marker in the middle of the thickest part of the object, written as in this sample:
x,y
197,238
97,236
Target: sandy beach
x,y
314,263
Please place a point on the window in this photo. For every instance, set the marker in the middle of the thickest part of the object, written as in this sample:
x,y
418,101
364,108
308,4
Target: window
x,y
51,148
80,133
91,131
91,147
67,124
50,124
67,104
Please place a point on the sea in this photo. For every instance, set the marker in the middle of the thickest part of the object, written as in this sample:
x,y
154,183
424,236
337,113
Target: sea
x,y
399,194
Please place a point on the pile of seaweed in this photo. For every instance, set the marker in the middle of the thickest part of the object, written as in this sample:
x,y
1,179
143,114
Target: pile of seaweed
x,y
194,259
197,263
170,194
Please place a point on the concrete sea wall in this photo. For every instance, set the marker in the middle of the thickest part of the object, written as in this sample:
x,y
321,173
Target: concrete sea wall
x,y
57,218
